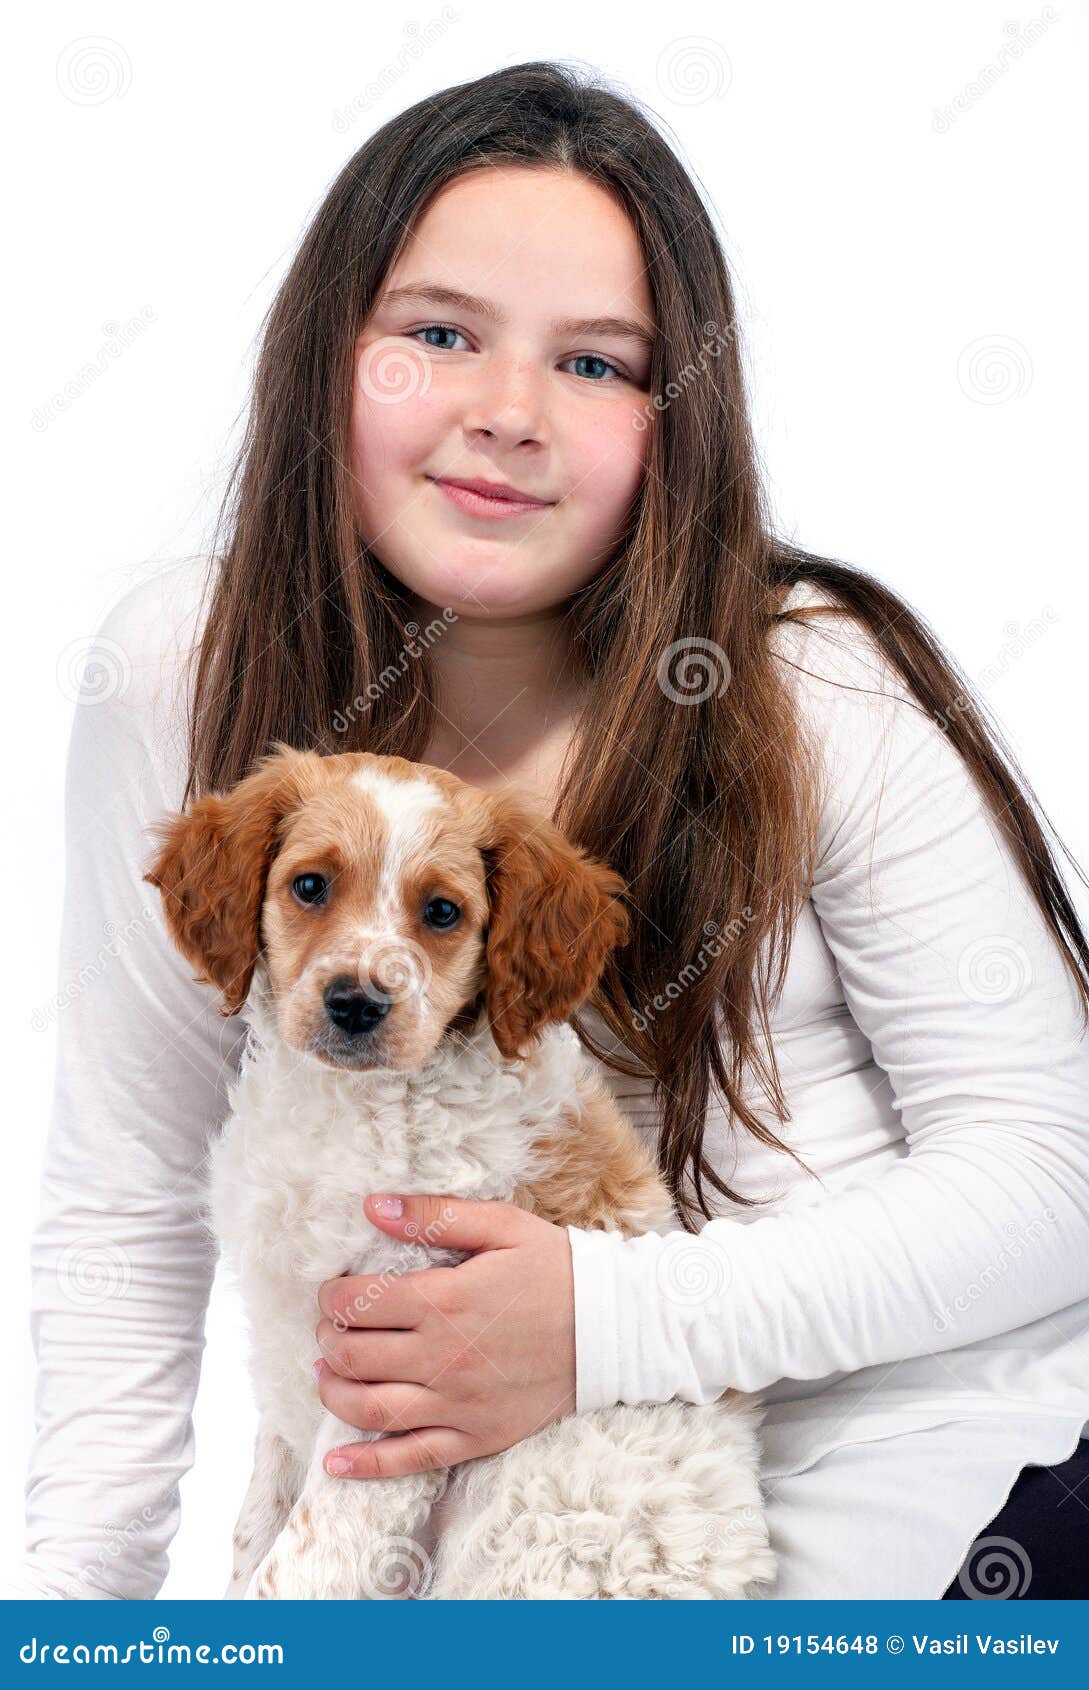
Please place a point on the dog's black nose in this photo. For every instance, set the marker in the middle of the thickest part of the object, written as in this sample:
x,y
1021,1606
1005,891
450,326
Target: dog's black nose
x,y
352,1008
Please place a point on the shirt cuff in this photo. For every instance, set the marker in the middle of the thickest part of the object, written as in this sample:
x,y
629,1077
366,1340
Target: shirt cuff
x,y
636,1300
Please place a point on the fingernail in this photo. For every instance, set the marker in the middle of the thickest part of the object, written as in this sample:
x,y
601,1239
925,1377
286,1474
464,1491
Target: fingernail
x,y
337,1464
391,1207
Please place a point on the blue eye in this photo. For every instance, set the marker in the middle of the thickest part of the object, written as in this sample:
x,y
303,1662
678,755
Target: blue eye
x,y
441,328
592,358
579,358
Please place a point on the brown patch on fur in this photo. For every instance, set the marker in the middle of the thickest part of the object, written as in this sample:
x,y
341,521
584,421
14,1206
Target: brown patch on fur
x,y
545,914
212,866
555,916
599,1174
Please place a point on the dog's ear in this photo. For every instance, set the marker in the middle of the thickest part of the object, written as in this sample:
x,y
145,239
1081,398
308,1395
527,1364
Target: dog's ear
x,y
213,863
555,914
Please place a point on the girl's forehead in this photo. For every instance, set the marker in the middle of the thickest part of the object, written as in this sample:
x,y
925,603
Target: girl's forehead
x,y
560,230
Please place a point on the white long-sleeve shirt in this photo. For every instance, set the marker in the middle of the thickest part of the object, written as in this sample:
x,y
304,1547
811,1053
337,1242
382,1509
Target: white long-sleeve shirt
x,y
934,1275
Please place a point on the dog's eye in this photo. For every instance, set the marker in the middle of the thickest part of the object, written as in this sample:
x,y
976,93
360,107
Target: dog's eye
x,y
441,912
309,888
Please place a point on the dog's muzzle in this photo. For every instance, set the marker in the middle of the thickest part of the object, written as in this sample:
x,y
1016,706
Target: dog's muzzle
x,y
354,1009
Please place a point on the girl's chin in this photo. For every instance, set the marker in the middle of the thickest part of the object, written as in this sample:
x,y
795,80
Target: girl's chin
x,y
474,587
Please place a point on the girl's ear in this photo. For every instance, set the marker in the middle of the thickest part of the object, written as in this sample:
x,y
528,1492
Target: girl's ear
x,y
213,863
554,917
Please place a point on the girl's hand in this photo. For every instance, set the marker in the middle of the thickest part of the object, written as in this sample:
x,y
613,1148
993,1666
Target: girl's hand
x,y
462,1361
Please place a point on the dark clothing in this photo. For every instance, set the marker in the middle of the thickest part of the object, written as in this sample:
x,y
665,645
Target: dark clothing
x,y
1043,1539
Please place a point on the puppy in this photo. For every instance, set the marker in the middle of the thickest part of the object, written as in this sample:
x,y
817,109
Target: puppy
x,y
408,950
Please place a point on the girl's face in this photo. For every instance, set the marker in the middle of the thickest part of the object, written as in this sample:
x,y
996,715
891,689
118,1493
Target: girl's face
x,y
482,360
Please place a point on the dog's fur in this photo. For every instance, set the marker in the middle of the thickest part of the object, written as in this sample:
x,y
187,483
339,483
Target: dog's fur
x,y
471,1084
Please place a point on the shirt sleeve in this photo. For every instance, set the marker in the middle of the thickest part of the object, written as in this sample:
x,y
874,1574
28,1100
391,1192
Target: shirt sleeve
x,y
122,1263
949,969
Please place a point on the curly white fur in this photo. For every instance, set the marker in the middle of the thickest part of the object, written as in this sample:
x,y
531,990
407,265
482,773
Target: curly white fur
x,y
655,1500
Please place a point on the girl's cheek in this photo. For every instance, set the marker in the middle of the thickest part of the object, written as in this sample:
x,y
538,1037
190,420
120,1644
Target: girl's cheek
x,y
391,438
608,459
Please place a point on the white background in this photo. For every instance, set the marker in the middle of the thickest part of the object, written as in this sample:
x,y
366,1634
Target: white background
x,y
898,195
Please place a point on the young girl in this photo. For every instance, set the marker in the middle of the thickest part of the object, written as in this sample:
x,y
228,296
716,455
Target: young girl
x,y
852,1014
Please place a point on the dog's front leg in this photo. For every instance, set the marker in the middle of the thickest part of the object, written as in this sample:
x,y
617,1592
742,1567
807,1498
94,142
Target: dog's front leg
x,y
277,1479
352,1539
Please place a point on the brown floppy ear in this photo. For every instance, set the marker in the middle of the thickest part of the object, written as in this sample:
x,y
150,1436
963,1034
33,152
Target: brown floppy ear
x,y
212,867
555,916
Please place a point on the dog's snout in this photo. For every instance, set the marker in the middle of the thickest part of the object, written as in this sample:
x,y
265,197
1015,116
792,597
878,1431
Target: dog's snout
x,y
353,1008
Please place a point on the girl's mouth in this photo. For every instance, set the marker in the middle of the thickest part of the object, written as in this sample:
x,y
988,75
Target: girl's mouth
x,y
479,504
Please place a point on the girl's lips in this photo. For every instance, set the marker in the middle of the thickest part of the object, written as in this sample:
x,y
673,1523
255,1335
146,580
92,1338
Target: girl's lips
x,y
478,504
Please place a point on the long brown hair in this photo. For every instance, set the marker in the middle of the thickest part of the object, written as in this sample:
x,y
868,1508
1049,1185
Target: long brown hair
x,y
707,811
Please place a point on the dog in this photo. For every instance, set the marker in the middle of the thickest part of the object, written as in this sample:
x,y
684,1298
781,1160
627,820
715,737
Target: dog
x,y
408,949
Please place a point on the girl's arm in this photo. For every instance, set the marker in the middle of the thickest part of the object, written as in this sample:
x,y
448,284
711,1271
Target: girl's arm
x,y
983,1225
121,1265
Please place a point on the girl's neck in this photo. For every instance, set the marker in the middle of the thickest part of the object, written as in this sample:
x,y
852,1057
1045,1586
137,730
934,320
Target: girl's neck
x,y
508,696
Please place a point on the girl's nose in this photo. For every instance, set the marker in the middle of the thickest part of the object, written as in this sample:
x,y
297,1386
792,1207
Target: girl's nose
x,y
507,400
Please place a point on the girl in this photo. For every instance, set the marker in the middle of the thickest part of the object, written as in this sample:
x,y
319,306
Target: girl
x,y
851,1017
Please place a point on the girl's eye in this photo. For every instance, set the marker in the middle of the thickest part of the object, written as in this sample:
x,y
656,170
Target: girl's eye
x,y
438,328
441,913
580,358
592,358
310,888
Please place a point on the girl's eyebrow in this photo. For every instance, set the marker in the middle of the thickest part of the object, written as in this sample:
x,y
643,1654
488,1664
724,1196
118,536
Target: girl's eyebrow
x,y
434,293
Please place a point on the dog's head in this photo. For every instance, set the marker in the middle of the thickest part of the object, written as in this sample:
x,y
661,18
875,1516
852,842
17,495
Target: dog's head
x,y
388,900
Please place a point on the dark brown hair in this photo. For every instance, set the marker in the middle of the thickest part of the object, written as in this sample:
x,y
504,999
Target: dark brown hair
x,y
707,811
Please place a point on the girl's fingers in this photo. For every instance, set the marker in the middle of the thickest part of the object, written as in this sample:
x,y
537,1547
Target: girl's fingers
x,y
378,1300
366,1356
390,1458
379,1408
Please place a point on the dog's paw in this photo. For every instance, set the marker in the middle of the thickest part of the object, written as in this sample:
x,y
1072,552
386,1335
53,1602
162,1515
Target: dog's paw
x,y
291,1568
302,1566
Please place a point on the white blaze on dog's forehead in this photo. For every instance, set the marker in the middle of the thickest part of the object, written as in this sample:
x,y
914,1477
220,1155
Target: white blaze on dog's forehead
x,y
403,806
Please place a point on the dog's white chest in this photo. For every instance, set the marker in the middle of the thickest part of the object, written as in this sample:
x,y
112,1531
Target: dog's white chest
x,y
303,1145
